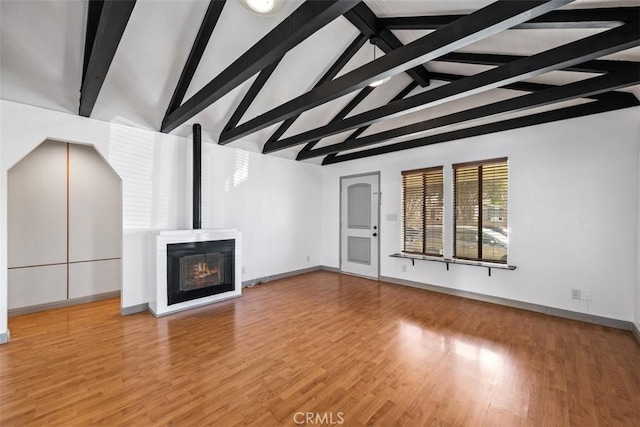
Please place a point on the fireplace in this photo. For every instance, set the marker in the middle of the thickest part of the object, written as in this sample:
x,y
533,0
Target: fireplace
x,y
194,268
199,269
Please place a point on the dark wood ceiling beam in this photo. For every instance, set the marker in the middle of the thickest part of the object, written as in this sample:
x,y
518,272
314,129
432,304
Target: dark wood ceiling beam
x,y
611,41
106,23
333,71
251,94
342,114
520,122
483,23
367,22
558,19
293,30
94,9
534,87
207,26
552,95
594,66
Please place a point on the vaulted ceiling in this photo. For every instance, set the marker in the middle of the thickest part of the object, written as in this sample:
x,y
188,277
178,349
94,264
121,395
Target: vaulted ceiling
x,y
295,83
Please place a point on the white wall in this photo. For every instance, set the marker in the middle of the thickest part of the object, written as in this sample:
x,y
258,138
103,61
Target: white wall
x,y
573,222
274,202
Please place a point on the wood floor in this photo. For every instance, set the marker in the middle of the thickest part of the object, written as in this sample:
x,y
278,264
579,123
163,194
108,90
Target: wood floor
x,y
322,348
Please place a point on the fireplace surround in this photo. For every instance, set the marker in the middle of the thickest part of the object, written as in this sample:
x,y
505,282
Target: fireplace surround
x,y
194,268
199,269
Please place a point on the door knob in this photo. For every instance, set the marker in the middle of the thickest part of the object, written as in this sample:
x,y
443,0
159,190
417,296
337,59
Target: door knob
x,y
375,234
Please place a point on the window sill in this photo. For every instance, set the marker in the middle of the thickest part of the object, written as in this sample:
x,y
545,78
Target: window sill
x,y
447,261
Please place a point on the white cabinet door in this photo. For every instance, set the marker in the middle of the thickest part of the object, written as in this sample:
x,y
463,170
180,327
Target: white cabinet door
x,y
37,207
95,207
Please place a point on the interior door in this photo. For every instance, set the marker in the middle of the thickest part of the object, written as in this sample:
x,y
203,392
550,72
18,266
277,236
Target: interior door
x,y
359,231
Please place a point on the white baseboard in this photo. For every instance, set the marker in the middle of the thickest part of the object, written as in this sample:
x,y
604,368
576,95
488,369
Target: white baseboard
x,y
636,331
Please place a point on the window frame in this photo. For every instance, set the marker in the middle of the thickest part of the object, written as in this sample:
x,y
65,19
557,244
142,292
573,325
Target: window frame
x,y
480,233
423,172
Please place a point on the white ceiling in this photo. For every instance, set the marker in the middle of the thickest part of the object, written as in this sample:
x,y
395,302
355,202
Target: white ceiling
x,y
42,47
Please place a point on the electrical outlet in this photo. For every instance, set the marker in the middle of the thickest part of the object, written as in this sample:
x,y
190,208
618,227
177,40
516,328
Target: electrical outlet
x,y
576,294
586,295
404,268
244,270
308,258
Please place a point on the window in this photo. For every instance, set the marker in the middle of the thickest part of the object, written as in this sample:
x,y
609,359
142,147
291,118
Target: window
x,y
480,210
422,211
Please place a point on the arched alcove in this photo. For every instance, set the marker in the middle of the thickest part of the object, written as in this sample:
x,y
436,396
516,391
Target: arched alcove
x,y
64,221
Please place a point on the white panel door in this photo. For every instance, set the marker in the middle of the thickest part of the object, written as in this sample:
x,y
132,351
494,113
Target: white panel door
x,y
359,232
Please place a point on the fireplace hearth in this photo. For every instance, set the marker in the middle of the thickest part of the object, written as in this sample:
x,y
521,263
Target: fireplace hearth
x,y
199,269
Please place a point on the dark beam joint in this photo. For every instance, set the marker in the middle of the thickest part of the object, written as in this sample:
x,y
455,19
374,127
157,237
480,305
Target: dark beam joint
x,y
105,25
207,26
293,30
605,43
487,21
368,23
520,122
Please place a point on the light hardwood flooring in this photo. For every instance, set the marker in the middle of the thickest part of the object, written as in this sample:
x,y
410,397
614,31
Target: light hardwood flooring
x,y
341,348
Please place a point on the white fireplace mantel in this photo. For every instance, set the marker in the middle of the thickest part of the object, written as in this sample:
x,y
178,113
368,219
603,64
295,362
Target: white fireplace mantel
x,y
158,284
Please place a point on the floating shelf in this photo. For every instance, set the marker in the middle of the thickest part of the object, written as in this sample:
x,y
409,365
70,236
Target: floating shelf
x,y
447,261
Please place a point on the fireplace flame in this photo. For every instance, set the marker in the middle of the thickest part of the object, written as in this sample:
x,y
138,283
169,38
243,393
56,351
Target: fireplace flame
x,y
201,270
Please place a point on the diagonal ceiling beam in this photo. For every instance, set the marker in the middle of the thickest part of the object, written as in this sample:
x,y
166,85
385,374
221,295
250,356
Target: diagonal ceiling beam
x,y
248,98
404,92
611,41
533,87
595,66
209,22
94,9
555,94
519,86
341,115
105,26
367,22
302,23
483,23
606,17
333,71
344,112
520,122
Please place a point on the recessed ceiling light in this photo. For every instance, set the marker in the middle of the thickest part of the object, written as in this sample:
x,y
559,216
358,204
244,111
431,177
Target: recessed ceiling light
x,y
263,7
379,82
